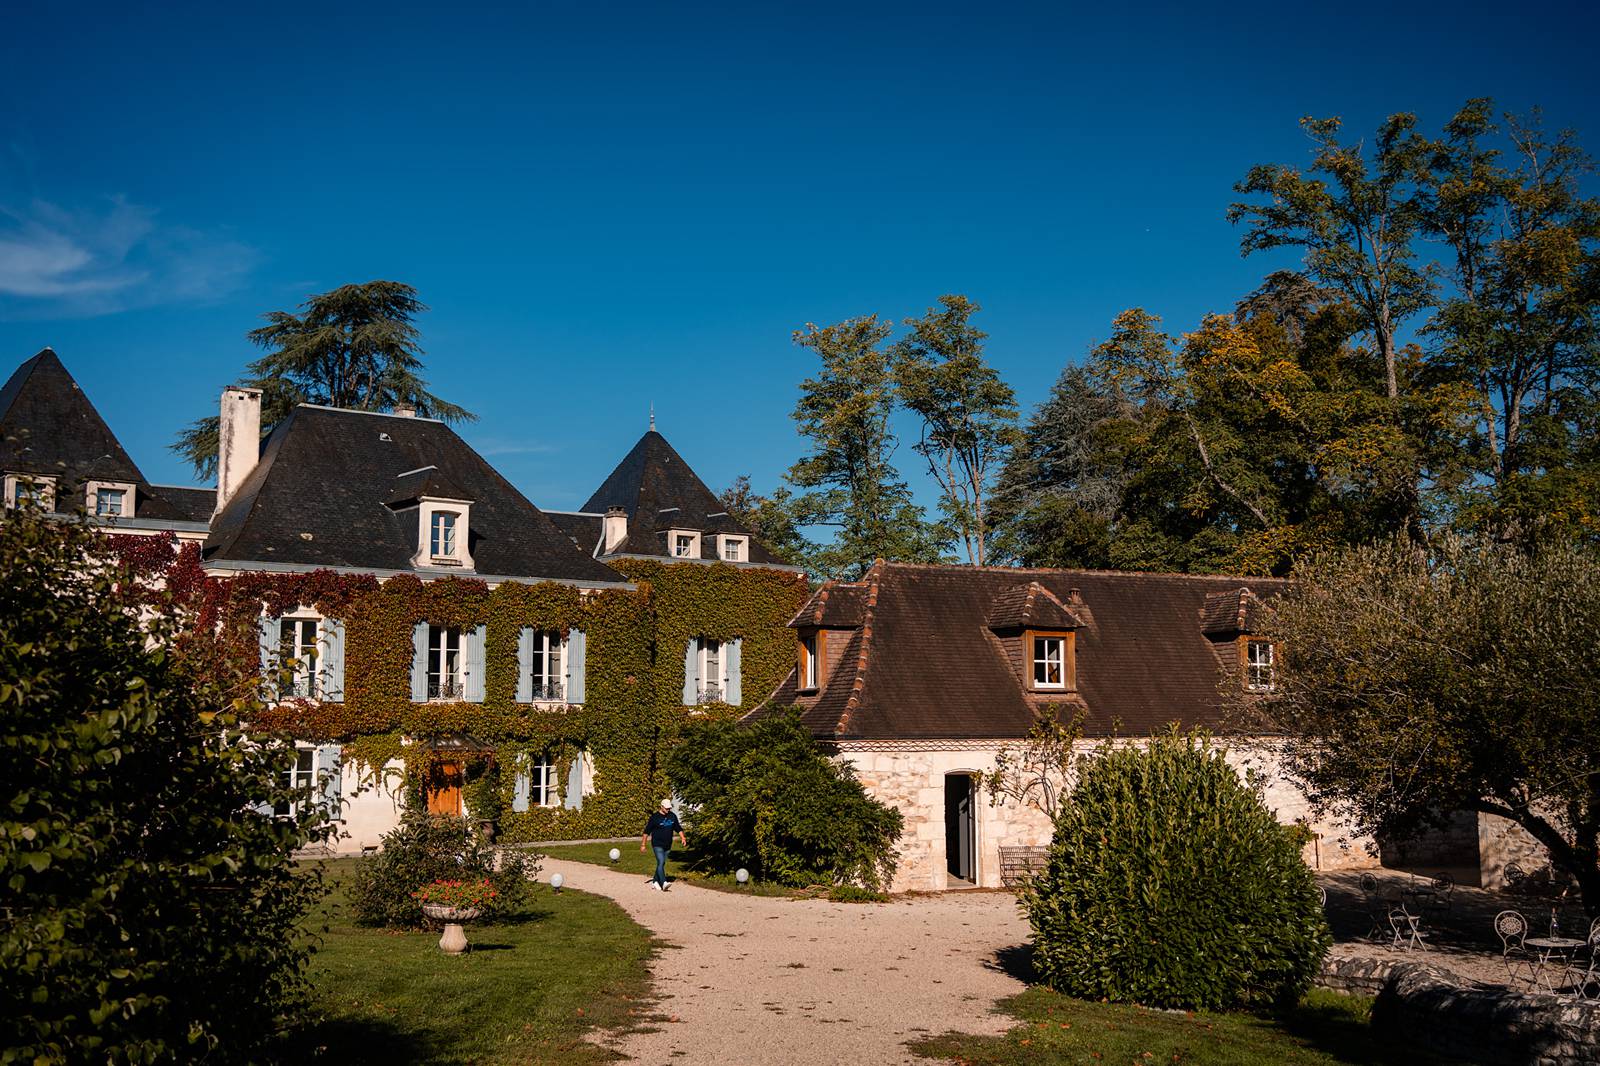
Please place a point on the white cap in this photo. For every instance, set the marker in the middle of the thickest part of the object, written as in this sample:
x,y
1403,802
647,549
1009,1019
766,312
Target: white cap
x,y
666,803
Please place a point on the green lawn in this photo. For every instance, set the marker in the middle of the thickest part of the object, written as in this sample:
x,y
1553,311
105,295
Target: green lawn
x,y
526,992
1327,1029
643,863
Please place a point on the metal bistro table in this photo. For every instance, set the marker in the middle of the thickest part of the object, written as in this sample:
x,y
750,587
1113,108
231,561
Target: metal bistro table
x,y
1555,955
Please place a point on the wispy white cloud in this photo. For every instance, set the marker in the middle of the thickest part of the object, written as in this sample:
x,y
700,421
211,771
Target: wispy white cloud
x,y
113,256
503,447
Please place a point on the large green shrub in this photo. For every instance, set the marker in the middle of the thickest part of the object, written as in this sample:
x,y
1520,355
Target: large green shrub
x,y
148,912
766,798
430,847
1170,884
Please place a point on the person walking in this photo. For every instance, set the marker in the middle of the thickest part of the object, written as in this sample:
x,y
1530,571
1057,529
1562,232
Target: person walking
x,y
658,834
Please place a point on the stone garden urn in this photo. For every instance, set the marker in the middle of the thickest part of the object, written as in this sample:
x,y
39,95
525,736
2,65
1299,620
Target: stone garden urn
x,y
454,940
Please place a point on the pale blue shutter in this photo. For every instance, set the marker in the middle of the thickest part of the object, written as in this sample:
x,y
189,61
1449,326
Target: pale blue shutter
x,y
691,673
574,800
475,640
419,662
267,635
332,681
577,652
326,762
733,650
524,665
521,785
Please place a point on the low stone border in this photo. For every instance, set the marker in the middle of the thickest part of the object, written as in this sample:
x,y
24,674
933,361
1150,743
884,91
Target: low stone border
x,y
1431,1006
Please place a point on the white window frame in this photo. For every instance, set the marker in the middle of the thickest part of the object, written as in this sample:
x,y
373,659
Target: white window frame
x,y
705,695
304,671
301,778
461,557
43,486
554,657
1043,641
91,497
740,545
544,788
446,678
811,670
442,534
1260,675
693,546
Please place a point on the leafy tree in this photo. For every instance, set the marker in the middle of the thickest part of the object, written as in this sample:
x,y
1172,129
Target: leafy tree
x,y
766,798
1412,683
354,347
1170,884
968,414
1519,324
1038,773
151,913
848,480
770,518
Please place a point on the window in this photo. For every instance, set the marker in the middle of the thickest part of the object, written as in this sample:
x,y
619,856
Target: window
x,y
1050,662
31,489
442,540
712,681
733,549
297,657
301,778
546,666
444,663
1259,664
542,790
682,545
108,502
810,672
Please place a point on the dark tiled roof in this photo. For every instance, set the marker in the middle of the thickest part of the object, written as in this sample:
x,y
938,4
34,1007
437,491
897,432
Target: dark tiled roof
x,y
1030,605
583,529
412,485
319,497
192,504
1231,612
659,490
48,426
836,605
924,662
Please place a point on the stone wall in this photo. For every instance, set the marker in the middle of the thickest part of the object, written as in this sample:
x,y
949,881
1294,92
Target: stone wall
x,y
1502,842
1436,1009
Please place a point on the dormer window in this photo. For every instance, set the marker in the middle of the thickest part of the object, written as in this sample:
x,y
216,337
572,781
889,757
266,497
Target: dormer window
x,y
683,543
1260,666
1050,659
810,662
442,540
109,499
38,490
734,549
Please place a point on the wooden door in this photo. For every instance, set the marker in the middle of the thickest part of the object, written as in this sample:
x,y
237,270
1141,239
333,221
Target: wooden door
x,y
444,788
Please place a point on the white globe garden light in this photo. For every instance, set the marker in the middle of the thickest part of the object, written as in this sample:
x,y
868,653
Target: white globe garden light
x,y
742,876
556,881
615,854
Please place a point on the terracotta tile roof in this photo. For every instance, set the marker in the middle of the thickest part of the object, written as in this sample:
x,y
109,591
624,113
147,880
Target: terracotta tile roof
x,y
836,605
924,663
1030,606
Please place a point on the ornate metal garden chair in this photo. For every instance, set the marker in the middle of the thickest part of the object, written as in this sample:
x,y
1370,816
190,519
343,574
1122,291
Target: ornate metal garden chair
x,y
1583,975
1512,929
1406,928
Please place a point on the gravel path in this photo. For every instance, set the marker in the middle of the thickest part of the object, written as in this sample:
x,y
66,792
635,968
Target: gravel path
x,y
754,980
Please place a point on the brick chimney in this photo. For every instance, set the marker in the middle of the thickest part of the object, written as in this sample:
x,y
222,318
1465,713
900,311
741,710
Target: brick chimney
x,y
616,526
238,440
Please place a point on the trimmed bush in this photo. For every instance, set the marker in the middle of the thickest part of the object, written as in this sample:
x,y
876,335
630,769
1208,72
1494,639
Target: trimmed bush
x,y
151,906
425,848
765,797
1170,884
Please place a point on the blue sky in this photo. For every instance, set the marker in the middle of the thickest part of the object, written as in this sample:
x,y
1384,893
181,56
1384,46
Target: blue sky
x,y
609,206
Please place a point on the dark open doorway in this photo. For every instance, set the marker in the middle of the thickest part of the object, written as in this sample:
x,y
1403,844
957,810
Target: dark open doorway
x,y
960,828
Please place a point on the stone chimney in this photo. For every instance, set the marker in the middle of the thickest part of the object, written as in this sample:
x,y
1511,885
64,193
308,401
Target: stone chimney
x,y
616,526
238,440
405,410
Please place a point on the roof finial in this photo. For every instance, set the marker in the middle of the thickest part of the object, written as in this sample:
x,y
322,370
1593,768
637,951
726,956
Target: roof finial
x,y
652,416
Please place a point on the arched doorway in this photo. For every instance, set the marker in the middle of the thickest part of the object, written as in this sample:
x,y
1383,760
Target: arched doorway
x,y
961,828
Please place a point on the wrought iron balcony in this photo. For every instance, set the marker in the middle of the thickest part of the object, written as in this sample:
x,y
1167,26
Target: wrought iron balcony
x,y
549,692
445,690
709,694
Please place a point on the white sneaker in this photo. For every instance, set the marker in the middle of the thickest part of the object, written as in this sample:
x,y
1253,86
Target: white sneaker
x,y
656,885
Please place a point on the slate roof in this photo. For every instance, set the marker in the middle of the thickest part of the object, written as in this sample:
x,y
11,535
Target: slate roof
x,y
49,426
194,504
583,529
659,490
922,661
321,496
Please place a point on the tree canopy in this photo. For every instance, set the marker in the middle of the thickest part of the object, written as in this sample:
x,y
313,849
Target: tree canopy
x,y
354,347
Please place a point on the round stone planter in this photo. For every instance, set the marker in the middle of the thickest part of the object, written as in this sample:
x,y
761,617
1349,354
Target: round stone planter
x,y
454,940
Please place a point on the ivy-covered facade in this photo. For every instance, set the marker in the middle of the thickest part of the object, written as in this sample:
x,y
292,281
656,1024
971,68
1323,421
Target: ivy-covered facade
x,y
424,635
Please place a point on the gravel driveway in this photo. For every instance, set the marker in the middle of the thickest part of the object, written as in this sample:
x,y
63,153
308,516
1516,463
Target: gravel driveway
x,y
753,980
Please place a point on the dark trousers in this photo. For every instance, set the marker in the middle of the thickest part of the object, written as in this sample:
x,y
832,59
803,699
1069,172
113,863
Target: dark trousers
x,y
661,865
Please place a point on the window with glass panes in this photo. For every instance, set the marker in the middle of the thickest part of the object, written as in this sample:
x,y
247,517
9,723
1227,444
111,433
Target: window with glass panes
x,y
1258,665
546,666
443,540
733,549
711,655
109,502
1050,662
542,782
444,663
682,545
809,672
297,657
301,777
